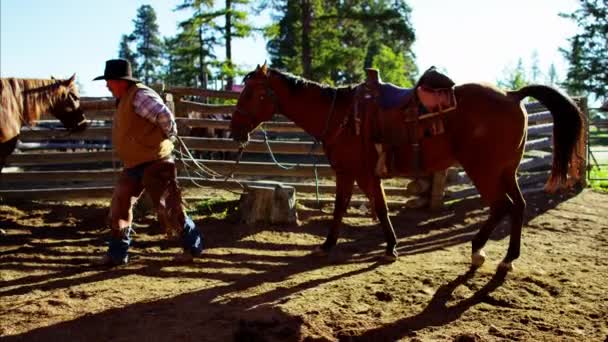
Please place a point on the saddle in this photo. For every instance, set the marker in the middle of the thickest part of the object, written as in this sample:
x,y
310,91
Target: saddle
x,y
403,116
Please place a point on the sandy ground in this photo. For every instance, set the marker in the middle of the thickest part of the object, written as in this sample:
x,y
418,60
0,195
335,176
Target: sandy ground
x,y
263,284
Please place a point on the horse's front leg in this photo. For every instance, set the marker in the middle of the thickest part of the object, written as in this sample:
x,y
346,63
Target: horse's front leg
x,y
372,186
344,192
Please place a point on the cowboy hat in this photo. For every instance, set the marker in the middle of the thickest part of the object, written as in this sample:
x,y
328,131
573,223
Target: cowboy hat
x,y
117,69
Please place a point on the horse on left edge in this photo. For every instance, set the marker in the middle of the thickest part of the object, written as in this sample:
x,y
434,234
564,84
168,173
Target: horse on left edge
x,y
24,100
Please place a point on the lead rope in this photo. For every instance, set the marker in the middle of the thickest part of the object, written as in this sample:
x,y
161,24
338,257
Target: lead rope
x,y
207,170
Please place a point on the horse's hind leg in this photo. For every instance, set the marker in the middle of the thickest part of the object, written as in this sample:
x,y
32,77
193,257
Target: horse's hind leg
x,y
498,210
517,218
372,187
344,192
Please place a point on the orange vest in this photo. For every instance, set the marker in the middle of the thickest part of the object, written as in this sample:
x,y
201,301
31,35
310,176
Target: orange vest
x,y
135,139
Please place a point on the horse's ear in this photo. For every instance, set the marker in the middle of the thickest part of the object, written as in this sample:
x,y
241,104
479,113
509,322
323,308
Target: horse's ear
x,y
71,79
265,68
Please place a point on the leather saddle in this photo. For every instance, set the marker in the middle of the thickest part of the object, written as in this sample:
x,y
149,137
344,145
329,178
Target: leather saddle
x,y
403,116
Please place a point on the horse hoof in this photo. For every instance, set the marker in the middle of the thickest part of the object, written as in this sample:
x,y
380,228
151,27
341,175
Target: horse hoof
x,y
390,256
320,252
478,258
506,266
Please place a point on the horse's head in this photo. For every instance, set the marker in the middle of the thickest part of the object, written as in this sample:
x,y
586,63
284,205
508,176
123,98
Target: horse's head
x,y
256,104
67,106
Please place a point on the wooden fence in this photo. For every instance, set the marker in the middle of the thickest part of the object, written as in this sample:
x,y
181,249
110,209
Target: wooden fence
x,y
51,165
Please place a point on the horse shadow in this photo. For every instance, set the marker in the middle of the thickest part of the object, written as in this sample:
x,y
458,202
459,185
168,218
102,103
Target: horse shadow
x,y
436,313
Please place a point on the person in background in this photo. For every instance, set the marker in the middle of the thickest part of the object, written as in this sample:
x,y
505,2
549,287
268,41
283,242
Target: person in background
x,y
143,133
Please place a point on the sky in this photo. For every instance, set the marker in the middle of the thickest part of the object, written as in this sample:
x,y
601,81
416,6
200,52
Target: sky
x,y
472,40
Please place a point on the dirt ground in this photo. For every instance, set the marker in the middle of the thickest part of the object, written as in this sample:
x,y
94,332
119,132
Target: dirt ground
x,y
263,283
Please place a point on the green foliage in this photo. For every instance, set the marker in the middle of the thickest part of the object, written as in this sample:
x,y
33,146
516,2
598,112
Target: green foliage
x,y
393,66
149,45
588,51
345,37
218,208
598,178
200,36
514,78
125,51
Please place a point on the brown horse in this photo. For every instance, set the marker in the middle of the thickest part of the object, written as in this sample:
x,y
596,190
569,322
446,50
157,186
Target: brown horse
x,y
486,134
24,100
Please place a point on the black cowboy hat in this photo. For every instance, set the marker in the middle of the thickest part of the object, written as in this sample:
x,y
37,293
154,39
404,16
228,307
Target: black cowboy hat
x,y
117,69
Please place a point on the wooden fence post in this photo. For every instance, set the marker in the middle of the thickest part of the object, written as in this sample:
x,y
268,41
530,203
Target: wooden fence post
x,y
580,167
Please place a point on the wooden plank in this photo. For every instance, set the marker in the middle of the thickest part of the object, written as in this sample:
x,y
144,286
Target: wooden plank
x,y
270,126
532,163
256,146
540,129
92,133
535,107
540,117
184,91
98,105
308,187
58,158
206,109
221,167
539,144
45,146
263,169
106,115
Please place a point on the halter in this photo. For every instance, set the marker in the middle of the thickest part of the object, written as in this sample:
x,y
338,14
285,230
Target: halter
x,y
275,101
252,116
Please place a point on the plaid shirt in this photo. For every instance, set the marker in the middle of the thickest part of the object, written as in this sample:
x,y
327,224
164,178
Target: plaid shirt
x,y
151,107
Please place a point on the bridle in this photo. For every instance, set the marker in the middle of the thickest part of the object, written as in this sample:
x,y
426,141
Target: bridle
x,y
252,116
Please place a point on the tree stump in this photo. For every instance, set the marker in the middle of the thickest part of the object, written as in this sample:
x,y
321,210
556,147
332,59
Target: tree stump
x,y
268,204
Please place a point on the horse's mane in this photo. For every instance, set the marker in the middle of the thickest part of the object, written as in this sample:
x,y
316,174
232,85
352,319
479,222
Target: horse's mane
x,y
297,83
26,99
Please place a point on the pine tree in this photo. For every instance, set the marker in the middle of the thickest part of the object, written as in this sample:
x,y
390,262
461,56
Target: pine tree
x,y
125,52
149,44
333,41
588,51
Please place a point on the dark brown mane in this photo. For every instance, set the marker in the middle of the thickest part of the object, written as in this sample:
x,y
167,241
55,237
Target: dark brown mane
x,y
29,98
297,84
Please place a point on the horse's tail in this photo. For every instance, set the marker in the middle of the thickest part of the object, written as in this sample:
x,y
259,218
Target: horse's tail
x,y
568,124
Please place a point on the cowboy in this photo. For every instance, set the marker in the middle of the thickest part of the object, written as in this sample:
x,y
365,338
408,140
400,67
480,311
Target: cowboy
x,y
143,133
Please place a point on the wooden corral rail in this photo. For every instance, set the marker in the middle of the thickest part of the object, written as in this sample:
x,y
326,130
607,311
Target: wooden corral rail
x,y
90,171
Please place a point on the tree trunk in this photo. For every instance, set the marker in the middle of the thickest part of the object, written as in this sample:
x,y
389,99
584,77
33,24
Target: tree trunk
x,y
268,205
306,29
230,79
